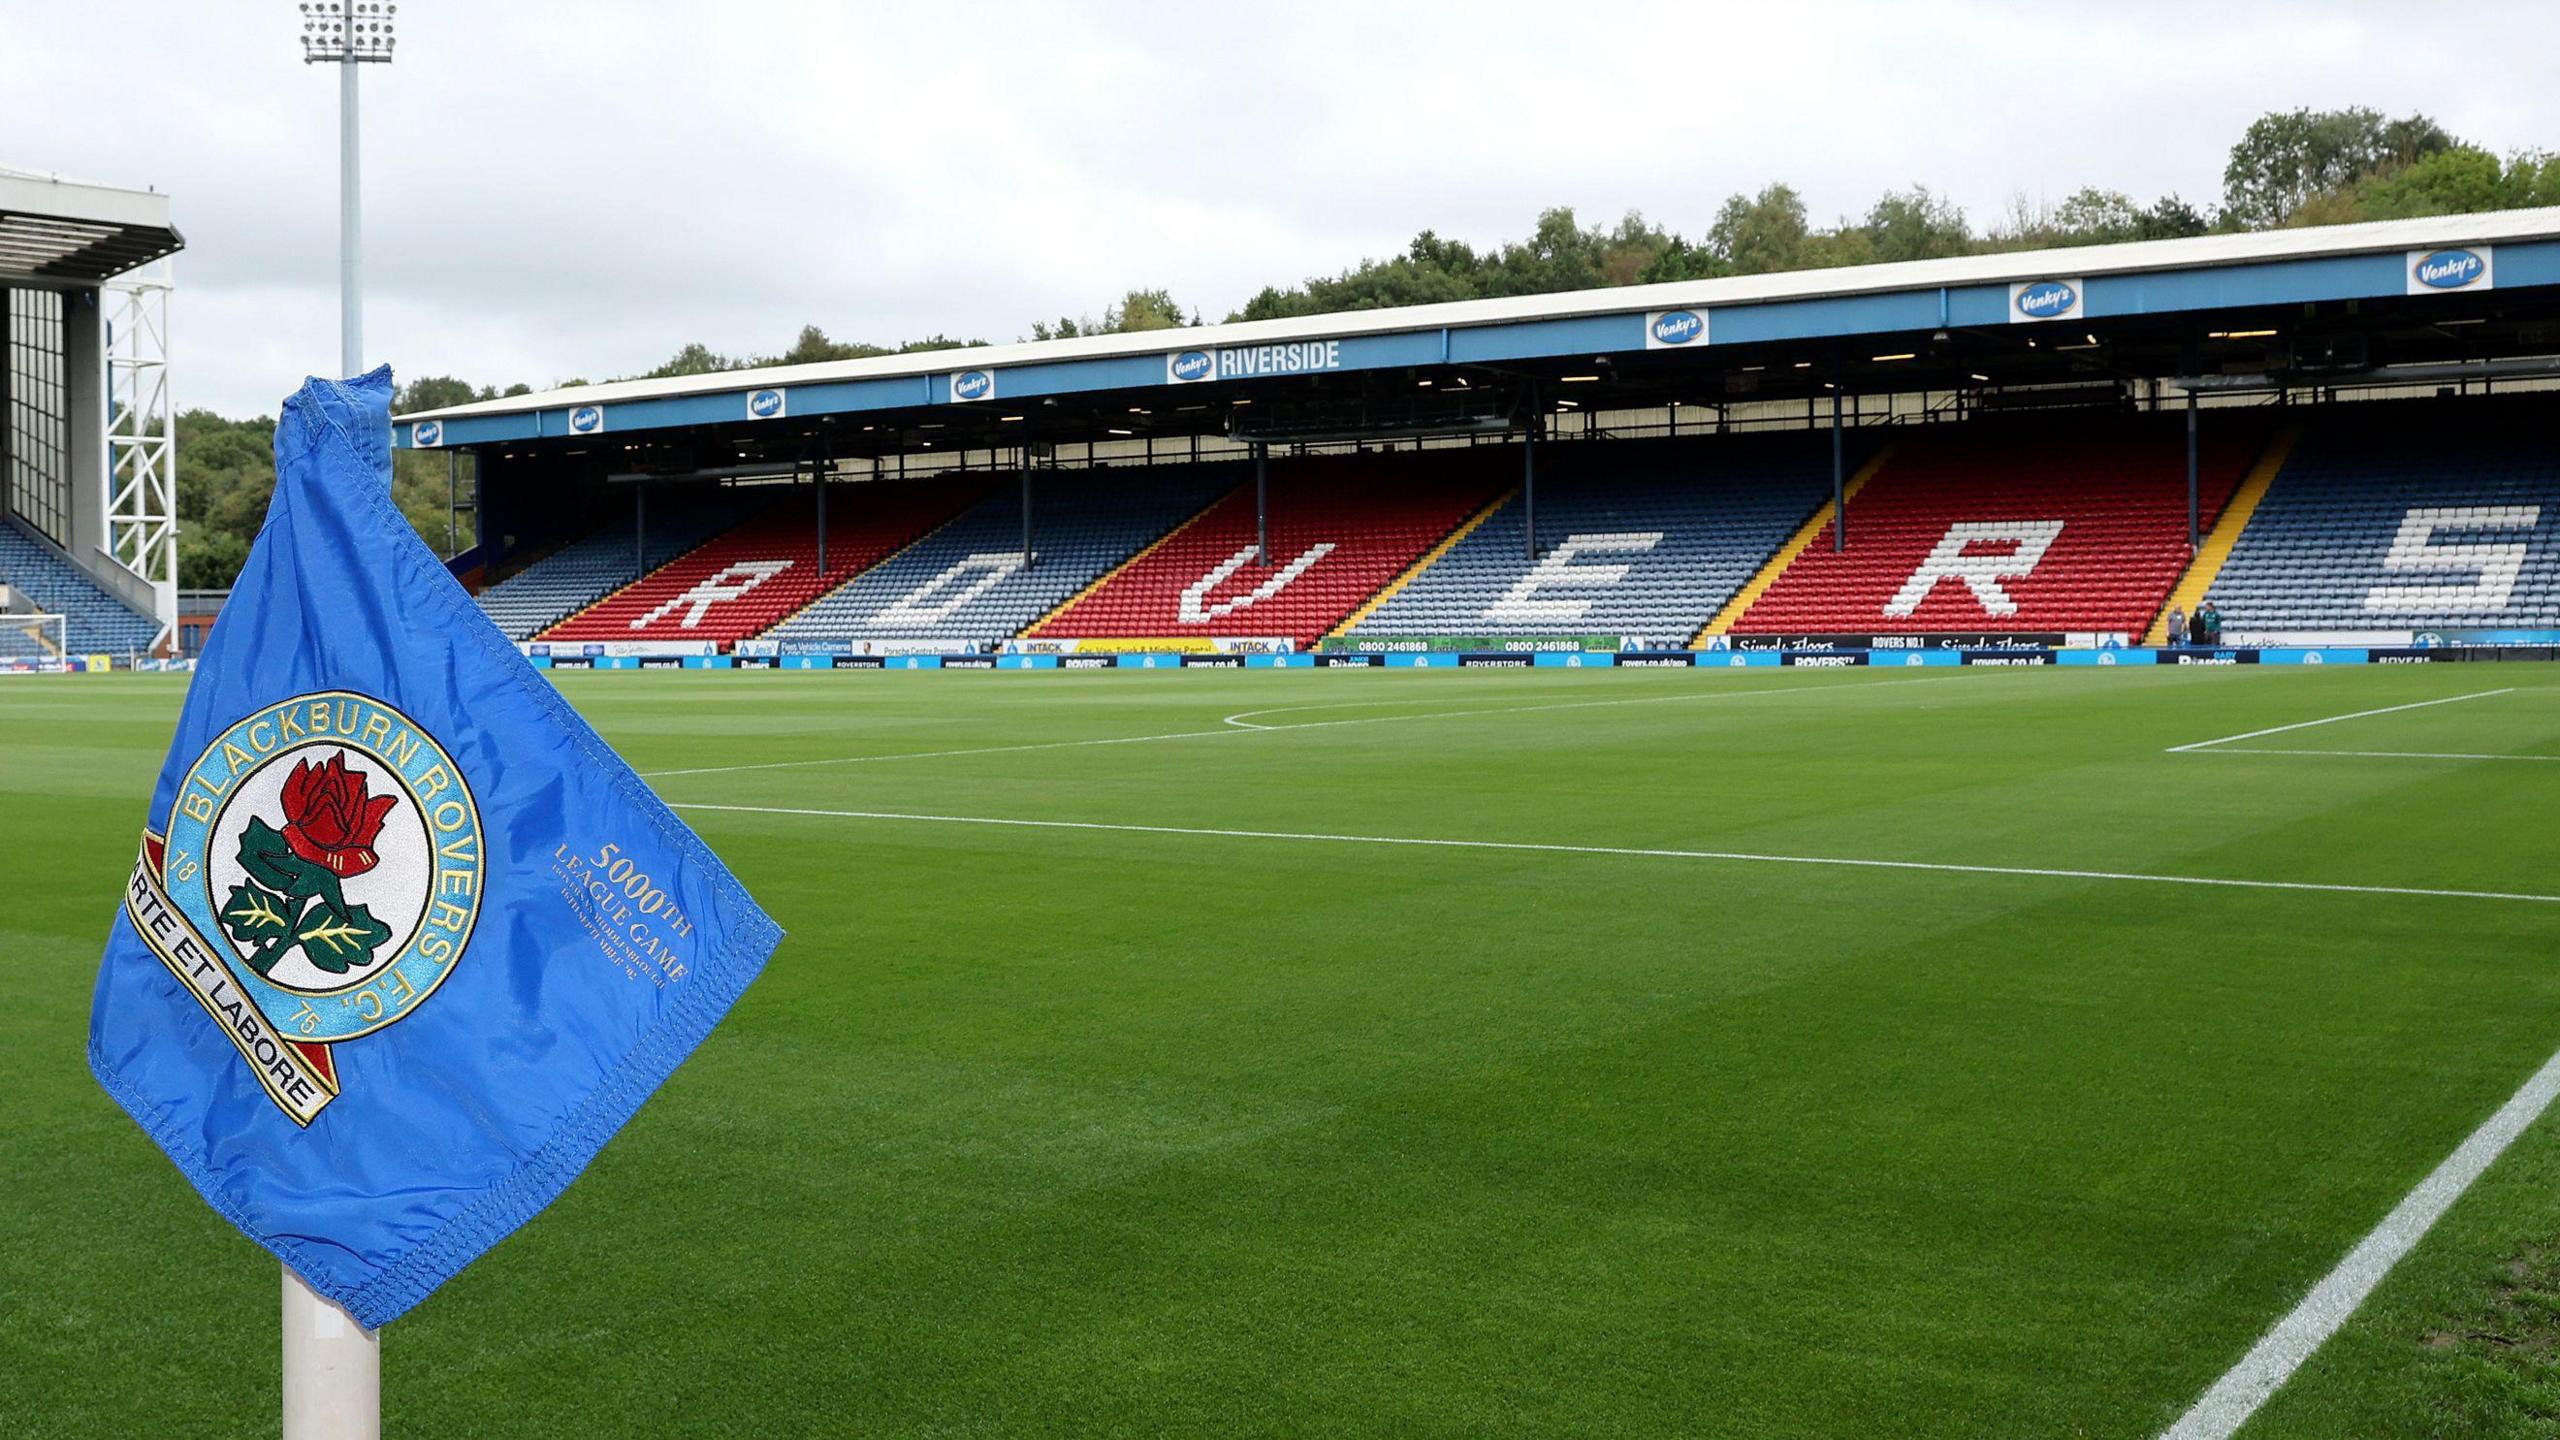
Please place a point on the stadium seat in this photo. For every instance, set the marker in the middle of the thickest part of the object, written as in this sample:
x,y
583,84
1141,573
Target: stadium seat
x,y
2395,519
2043,525
1639,539
93,621
965,584
1341,528
745,580
584,571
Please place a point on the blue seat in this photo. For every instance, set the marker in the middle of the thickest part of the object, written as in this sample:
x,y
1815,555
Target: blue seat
x,y
2397,521
93,621
965,584
1643,539
584,571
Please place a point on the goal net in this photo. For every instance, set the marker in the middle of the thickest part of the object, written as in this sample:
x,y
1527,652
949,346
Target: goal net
x,y
32,642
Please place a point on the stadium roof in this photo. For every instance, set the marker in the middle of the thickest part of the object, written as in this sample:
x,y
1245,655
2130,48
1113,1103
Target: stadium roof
x,y
58,231
1647,325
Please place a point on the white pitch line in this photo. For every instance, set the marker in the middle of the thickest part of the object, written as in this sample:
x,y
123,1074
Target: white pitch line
x,y
1228,728
2370,754
2334,719
1734,856
2281,1351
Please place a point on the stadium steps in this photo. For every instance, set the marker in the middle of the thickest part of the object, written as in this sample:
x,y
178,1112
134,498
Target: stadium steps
x,y
1107,576
1341,528
967,585
609,596
2216,550
822,596
777,551
2112,490
2400,517
1447,543
522,561
94,621
1787,553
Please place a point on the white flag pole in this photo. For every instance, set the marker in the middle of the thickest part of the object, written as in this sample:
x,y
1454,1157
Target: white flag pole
x,y
332,1369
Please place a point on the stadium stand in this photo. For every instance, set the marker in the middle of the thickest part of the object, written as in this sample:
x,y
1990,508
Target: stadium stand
x,y
1341,528
584,571
966,585
2395,521
746,579
2056,524
1641,539
93,621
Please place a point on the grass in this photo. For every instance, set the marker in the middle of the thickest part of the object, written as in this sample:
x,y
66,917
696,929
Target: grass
x,y
1069,1131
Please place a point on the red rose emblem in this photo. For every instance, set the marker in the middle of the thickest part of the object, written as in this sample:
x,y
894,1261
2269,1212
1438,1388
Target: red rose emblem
x,y
328,818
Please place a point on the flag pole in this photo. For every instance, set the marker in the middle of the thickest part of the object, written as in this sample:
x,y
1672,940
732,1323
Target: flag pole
x,y
332,1369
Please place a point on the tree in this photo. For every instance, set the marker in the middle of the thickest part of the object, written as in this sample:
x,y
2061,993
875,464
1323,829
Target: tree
x,y
694,359
1431,270
1681,260
2286,158
2091,216
209,559
435,392
813,347
1558,255
1917,224
1142,310
1759,234
2171,218
2457,181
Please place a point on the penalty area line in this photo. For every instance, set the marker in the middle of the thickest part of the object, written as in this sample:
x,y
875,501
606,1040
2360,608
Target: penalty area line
x,y
2368,754
2334,719
1742,857
2227,1406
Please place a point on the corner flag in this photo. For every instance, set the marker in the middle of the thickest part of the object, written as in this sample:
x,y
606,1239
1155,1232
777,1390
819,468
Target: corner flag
x,y
405,943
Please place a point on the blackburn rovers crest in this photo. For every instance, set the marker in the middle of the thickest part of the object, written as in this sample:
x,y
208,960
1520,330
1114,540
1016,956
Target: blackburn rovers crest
x,y
318,878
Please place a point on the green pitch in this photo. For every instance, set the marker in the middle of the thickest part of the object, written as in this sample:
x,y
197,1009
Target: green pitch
x,y
1212,1114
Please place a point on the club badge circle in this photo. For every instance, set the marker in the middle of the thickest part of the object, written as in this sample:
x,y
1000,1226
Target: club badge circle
x,y
332,848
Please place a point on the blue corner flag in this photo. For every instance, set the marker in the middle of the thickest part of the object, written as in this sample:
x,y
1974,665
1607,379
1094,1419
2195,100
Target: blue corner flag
x,y
406,943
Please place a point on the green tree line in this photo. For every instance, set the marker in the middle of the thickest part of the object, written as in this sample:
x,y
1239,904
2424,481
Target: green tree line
x,y
2289,168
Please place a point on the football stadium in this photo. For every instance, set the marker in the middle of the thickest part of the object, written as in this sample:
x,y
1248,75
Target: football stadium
x,y
1943,848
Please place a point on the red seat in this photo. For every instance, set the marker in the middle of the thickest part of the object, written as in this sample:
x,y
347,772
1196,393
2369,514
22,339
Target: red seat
x,y
751,578
2116,489
1378,514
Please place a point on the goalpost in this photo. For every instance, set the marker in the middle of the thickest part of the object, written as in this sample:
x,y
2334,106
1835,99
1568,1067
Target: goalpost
x,y
32,642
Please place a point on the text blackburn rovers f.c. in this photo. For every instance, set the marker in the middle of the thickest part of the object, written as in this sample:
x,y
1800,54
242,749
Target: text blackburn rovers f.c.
x,y
406,943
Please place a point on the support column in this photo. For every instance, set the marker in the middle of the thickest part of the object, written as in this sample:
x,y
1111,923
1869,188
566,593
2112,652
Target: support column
x,y
639,528
1839,477
84,400
1024,454
2193,537
1261,506
5,411
1529,477
452,515
820,474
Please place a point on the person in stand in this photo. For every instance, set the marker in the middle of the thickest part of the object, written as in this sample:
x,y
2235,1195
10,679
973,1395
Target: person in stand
x,y
2177,627
2208,624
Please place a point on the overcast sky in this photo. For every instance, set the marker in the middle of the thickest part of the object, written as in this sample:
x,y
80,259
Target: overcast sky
x,y
559,190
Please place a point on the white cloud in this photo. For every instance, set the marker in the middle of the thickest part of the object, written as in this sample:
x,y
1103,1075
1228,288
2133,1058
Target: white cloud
x,y
559,191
